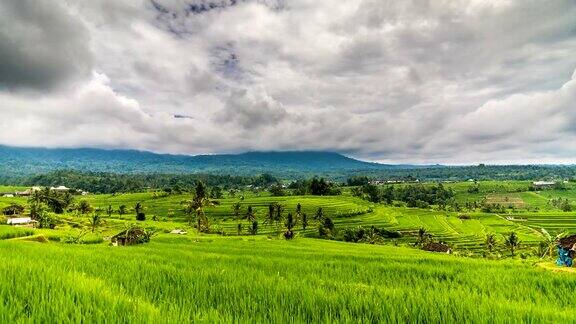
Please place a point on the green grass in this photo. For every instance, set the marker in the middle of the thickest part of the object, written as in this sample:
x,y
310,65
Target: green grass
x,y
262,278
9,232
216,279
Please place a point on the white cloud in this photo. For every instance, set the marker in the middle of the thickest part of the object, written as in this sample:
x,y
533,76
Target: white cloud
x,y
400,81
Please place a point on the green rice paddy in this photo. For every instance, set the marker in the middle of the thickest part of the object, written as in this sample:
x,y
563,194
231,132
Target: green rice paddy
x,y
264,278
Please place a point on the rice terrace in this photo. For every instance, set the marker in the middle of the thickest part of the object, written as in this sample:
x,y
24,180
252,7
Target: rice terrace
x,y
287,161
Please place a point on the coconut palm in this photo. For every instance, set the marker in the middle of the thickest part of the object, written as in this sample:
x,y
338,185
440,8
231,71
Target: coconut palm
x,y
195,207
490,242
250,214
550,242
512,241
236,210
95,221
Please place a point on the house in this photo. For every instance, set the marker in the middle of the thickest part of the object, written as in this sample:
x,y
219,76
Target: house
x,y
538,185
566,250
8,195
26,192
437,247
20,221
60,188
131,236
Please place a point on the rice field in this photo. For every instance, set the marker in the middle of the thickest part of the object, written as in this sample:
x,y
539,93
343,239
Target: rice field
x,y
465,234
263,278
229,279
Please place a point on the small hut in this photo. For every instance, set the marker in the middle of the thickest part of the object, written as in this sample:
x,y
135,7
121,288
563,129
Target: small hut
x,y
566,250
437,247
131,236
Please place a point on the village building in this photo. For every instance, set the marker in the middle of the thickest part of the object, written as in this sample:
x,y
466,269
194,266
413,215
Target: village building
x,y
20,221
24,193
59,188
131,236
543,184
437,247
566,250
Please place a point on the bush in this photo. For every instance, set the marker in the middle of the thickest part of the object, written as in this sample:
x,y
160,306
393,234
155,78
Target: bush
x,y
369,235
140,216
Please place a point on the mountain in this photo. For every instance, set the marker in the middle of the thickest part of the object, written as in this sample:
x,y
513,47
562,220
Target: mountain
x,y
16,161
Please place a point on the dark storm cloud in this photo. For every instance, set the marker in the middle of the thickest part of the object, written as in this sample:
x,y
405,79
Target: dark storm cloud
x,y
42,45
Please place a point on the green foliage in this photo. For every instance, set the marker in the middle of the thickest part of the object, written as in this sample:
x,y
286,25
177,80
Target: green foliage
x,y
490,242
57,201
326,228
84,206
106,182
277,190
512,242
46,220
370,235
95,221
289,224
139,210
357,181
254,228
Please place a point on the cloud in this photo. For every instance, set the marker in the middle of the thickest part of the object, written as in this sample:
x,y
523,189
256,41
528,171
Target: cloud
x,y
398,81
42,46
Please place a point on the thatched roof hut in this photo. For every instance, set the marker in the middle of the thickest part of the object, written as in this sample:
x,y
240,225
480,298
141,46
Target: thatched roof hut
x,y
437,247
131,236
567,242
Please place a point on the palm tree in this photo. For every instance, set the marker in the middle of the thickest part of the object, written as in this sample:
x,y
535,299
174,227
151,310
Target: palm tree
x,y
270,216
298,211
236,209
512,241
549,243
95,221
290,223
319,214
250,214
490,242
196,205
84,206
194,209
423,236
138,208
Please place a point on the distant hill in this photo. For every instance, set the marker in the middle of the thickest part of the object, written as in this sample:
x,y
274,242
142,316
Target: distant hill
x,y
15,161
18,163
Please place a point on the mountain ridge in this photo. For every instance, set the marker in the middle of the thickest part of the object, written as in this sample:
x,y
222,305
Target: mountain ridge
x,y
22,161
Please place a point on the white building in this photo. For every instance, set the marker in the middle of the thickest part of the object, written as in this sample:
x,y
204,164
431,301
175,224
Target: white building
x,y
20,221
60,188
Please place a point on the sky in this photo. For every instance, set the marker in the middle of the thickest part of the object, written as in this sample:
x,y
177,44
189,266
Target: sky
x,y
430,81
